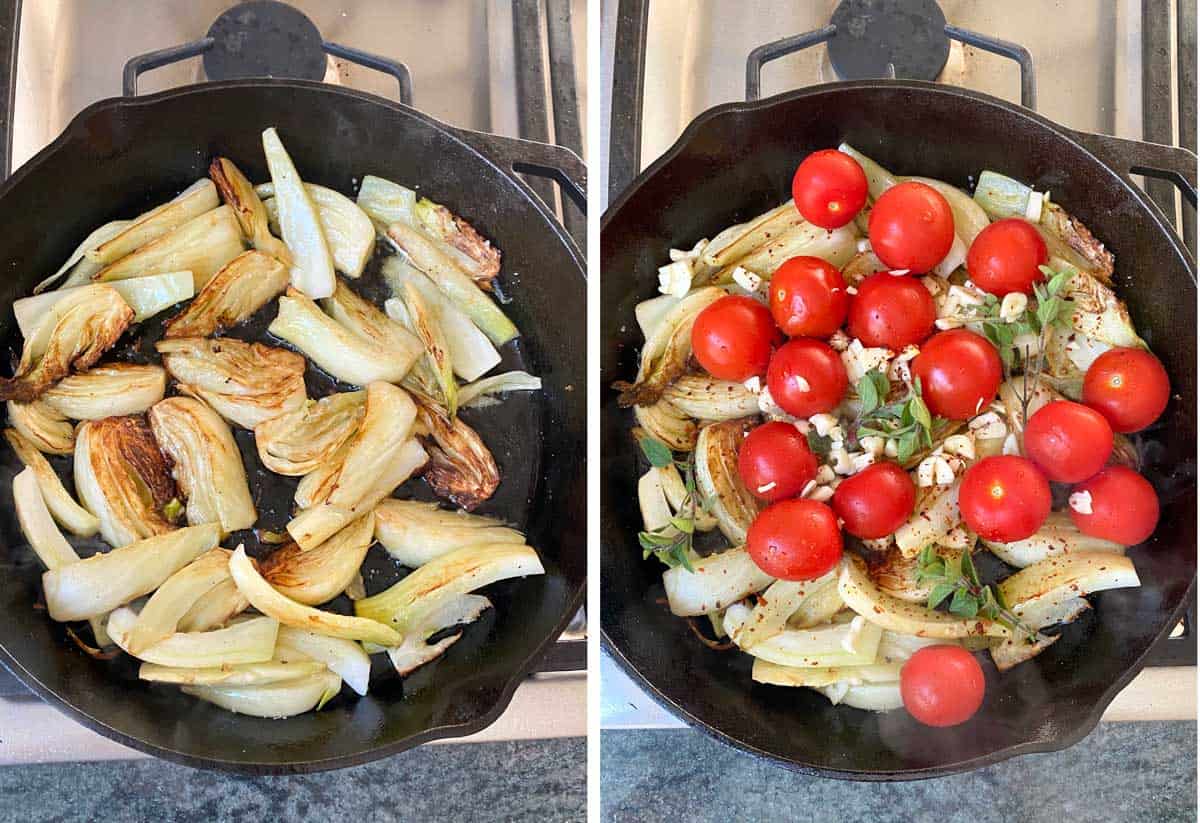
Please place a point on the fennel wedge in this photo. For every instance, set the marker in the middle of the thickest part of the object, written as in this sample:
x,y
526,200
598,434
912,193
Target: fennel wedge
x,y
77,330
98,584
321,573
246,383
298,441
359,355
347,229
195,200
461,467
208,465
272,603
202,246
108,390
239,195
68,513
299,223
243,286
415,532
124,480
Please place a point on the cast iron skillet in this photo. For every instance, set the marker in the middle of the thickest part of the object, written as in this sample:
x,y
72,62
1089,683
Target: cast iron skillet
x,y
735,161
120,156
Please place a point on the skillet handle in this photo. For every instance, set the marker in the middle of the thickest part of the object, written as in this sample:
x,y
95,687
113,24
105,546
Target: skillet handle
x,y
1171,163
556,163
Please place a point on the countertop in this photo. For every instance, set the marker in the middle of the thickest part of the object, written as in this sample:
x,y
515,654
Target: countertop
x,y
1144,771
542,780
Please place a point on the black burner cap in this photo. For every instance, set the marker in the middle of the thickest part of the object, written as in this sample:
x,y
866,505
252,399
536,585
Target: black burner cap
x,y
264,38
909,34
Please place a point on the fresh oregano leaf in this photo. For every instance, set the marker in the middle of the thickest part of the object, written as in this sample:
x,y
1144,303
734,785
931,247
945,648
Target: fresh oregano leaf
x,y
656,452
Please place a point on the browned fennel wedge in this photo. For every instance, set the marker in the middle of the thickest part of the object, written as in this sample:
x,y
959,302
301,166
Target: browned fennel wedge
x,y
714,582
319,574
239,194
108,390
43,426
202,246
274,604
77,330
214,608
208,465
123,479
243,286
717,477
298,441
461,467
246,383
147,296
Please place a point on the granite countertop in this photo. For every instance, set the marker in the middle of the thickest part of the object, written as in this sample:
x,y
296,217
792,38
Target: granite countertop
x,y
544,780
1121,772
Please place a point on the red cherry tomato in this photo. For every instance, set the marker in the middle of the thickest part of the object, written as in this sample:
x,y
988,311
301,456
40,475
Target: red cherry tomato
x,y
891,311
829,188
806,377
1068,441
942,685
808,297
876,501
795,539
775,461
911,227
1129,387
960,373
1124,506
1004,498
1005,257
732,338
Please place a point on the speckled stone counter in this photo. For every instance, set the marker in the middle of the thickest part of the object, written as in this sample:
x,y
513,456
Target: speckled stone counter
x,y
543,780
1121,772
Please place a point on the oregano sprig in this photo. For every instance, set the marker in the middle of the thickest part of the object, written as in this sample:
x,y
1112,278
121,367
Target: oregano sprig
x,y
908,420
955,579
672,544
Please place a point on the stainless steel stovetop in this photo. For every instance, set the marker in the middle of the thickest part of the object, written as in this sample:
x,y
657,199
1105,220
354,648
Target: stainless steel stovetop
x,y
494,66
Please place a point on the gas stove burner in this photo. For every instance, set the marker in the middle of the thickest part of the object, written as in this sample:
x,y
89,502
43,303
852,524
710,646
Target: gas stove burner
x,y
888,38
264,38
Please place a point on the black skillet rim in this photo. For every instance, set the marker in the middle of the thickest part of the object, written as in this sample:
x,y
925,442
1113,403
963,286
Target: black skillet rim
x,y
1068,738
525,667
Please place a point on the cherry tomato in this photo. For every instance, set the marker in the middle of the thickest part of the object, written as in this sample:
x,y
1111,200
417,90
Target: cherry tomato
x,y
942,685
891,311
1123,503
808,297
1005,257
775,461
1068,441
960,373
1129,387
876,501
1004,498
732,338
911,227
795,539
806,377
829,188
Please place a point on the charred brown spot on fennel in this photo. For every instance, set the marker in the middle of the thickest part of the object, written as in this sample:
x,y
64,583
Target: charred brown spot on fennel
x,y
956,579
238,193
461,468
672,544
